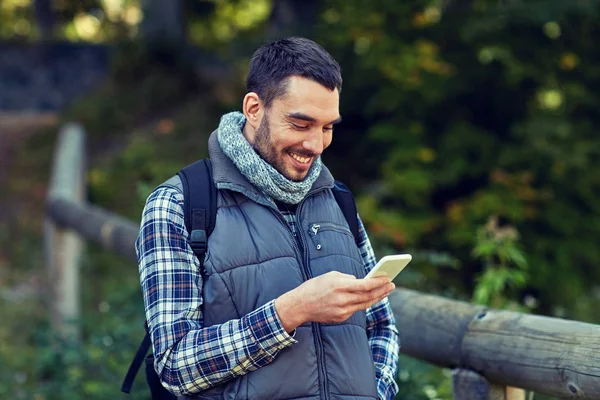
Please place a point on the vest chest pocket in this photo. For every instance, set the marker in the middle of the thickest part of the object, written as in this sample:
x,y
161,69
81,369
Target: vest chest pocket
x,y
326,234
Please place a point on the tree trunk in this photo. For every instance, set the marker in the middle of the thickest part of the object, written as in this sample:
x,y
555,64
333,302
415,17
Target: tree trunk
x,y
44,18
163,22
292,18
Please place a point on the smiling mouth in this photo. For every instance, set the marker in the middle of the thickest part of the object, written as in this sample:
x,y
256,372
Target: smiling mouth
x,y
300,159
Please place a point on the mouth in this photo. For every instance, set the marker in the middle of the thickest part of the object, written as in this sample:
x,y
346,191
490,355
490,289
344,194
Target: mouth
x,y
302,162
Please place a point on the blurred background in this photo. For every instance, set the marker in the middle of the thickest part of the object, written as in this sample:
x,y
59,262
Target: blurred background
x,y
470,139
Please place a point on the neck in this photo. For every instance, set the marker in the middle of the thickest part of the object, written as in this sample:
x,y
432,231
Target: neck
x,y
249,132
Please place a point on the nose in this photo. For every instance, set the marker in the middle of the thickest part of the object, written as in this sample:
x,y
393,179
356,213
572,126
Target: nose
x,y
314,143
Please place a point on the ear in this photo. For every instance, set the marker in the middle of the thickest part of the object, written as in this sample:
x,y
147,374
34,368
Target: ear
x,y
253,109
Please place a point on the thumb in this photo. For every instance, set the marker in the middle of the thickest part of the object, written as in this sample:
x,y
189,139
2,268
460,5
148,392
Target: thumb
x,y
340,275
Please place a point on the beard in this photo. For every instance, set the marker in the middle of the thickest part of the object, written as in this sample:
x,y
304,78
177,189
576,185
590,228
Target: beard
x,y
267,151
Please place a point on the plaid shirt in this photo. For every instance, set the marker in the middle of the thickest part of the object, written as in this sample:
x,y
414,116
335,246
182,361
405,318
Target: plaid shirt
x,y
190,357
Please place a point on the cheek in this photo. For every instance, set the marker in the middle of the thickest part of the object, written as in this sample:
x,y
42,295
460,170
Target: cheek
x,y
289,141
327,139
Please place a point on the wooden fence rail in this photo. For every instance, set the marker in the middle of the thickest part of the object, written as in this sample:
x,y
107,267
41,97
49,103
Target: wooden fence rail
x,y
490,351
543,354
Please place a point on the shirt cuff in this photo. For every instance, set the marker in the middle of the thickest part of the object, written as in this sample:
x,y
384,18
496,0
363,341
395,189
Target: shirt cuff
x,y
267,329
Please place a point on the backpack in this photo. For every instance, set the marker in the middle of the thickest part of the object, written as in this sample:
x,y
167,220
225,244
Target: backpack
x,y
200,209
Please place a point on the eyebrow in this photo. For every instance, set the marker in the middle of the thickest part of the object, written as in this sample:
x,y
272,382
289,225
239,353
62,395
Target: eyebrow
x,y
308,118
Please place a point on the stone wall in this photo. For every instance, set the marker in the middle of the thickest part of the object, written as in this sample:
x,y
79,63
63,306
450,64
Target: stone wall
x,y
45,78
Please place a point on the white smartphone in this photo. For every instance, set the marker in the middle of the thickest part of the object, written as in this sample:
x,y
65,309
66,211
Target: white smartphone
x,y
390,266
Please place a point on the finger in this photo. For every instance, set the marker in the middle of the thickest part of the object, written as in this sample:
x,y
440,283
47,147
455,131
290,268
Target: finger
x,y
366,285
371,296
376,301
368,304
380,299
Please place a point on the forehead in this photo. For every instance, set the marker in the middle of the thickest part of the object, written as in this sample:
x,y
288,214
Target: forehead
x,y
309,98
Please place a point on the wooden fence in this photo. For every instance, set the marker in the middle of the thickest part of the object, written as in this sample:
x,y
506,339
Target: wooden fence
x,y
490,351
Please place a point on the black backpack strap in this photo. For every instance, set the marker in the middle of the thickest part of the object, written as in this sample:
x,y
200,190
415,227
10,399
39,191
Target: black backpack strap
x,y
199,194
345,200
137,362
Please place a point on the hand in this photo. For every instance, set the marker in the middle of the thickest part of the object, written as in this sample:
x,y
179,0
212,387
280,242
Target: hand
x,y
332,297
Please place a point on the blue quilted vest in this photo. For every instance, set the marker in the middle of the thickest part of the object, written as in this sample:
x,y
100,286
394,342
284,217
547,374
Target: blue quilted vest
x,y
253,258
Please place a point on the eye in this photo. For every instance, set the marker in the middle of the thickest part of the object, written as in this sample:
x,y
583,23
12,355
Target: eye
x,y
328,128
300,127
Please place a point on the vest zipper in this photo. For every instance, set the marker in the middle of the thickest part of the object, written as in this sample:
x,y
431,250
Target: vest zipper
x,y
316,327
299,253
307,274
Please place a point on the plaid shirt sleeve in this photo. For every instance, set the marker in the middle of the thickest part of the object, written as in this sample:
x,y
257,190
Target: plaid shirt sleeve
x,y
383,335
189,357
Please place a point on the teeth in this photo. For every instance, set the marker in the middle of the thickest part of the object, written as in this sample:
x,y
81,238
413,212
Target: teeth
x,y
303,160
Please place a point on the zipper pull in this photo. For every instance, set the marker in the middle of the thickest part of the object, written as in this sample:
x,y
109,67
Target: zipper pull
x,y
315,229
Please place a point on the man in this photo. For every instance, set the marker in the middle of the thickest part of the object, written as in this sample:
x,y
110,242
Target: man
x,y
278,309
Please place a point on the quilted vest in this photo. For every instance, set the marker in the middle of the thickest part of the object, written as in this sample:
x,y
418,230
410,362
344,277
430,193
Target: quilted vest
x,y
253,257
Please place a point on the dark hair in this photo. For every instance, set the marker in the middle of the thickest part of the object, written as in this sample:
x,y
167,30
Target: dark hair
x,y
273,63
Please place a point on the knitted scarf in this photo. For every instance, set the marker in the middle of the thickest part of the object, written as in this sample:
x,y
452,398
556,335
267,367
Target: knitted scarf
x,y
260,173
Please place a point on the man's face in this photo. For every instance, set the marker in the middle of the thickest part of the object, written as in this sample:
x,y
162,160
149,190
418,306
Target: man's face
x,y
297,127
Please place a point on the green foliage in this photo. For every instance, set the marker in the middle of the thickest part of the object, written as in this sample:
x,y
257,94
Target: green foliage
x,y
462,112
51,367
504,265
420,381
213,24
89,20
151,156
163,78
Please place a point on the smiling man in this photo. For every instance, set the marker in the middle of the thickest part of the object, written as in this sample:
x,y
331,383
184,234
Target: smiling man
x,y
303,120
277,309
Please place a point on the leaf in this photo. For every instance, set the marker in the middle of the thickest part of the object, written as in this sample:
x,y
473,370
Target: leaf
x,y
486,248
517,257
519,278
481,295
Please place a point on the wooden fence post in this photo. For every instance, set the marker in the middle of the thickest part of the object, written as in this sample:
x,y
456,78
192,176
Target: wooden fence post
x,y
469,385
514,393
62,245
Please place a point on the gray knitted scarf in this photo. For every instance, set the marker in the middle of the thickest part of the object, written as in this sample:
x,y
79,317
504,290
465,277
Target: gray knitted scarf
x,y
260,173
